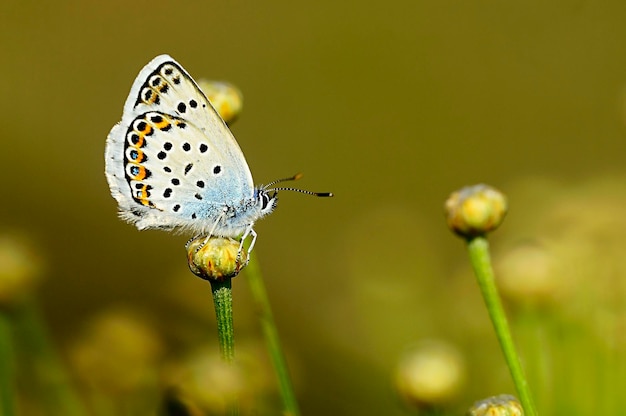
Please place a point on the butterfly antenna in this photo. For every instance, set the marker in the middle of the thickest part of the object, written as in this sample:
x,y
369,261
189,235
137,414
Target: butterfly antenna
x,y
294,178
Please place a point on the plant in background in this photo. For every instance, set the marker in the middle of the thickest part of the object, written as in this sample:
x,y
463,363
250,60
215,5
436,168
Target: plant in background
x,y
503,405
471,213
216,259
25,344
172,163
430,375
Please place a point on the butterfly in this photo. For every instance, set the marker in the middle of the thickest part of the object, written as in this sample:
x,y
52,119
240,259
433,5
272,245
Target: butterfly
x,y
173,164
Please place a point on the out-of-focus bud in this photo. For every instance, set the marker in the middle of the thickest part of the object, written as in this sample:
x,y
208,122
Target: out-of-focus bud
x,y
117,354
503,405
528,275
20,268
205,382
174,405
475,210
224,97
430,374
215,258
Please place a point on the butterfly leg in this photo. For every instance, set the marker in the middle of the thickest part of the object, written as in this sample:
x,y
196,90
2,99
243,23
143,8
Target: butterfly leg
x,y
208,236
192,239
249,232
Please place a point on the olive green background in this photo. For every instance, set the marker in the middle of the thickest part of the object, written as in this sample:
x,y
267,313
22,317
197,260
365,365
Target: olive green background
x,y
390,105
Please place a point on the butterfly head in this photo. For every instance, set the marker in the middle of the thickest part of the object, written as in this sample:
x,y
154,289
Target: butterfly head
x,y
267,196
266,199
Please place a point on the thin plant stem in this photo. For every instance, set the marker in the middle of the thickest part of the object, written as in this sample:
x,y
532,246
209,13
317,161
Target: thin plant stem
x,y
53,382
223,301
268,325
7,394
478,248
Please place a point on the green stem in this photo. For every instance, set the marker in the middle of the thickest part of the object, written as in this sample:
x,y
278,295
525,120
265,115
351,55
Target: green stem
x,y
259,294
51,380
223,300
478,248
7,406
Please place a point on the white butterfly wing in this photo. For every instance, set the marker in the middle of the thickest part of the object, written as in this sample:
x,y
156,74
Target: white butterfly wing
x,y
172,161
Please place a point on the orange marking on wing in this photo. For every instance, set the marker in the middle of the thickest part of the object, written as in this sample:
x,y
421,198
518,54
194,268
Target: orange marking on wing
x,y
143,196
152,99
141,175
140,156
146,131
140,142
163,124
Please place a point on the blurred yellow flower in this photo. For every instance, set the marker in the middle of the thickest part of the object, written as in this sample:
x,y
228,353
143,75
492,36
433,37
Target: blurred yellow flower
x,y
20,267
430,374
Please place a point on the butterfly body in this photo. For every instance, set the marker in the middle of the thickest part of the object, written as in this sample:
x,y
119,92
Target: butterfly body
x,y
172,163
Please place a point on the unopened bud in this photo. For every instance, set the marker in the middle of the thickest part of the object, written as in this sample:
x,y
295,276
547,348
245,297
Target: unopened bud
x,y
475,210
503,405
215,258
430,374
20,268
225,98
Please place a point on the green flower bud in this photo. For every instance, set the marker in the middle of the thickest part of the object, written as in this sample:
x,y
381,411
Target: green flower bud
x,y
475,210
503,405
215,258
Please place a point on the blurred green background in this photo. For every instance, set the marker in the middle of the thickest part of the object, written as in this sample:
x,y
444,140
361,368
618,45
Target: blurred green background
x,y
390,105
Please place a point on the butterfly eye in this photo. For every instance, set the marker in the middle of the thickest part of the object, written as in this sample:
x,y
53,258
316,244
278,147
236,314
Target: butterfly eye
x,y
265,199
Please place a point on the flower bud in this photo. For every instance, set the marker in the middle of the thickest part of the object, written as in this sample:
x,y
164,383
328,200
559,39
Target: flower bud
x,y
117,353
503,405
430,374
475,210
529,275
20,268
215,258
225,98
206,384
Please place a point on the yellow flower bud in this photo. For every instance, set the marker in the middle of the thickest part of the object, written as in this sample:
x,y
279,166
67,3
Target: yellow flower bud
x,y
205,383
475,210
503,405
117,353
20,268
430,374
224,97
215,258
529,275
